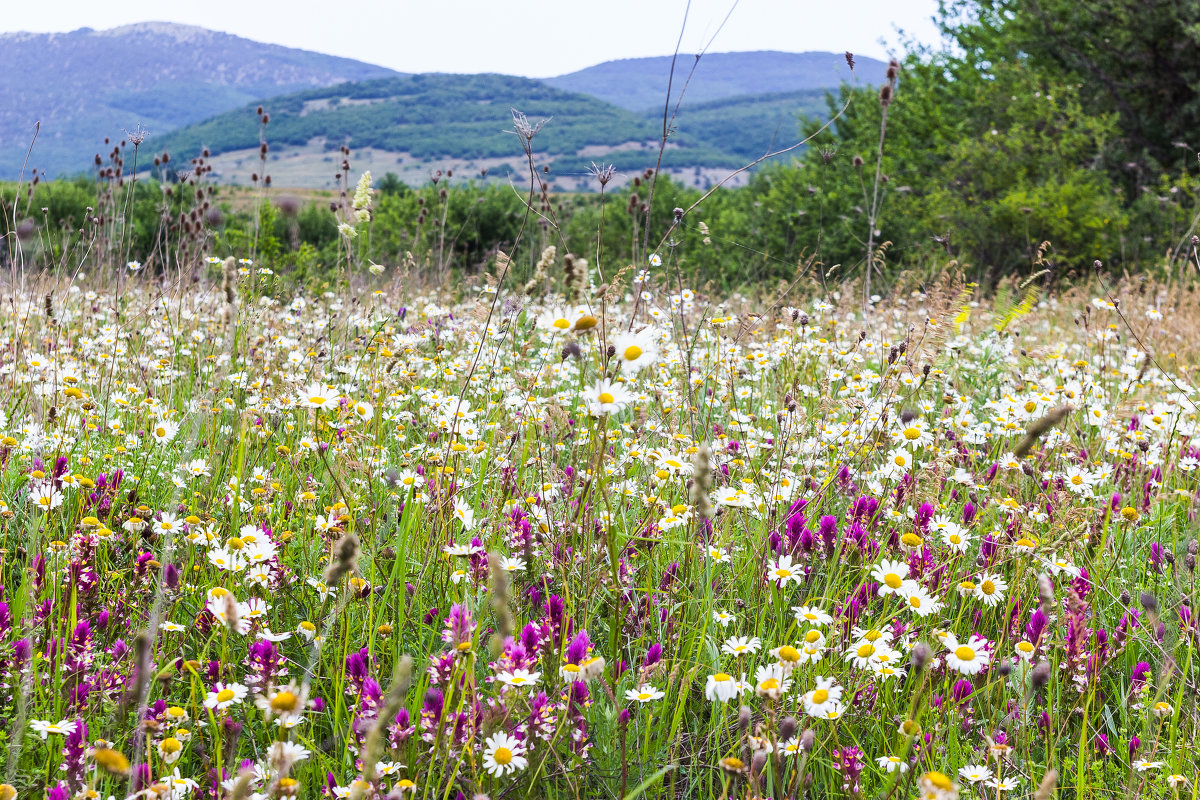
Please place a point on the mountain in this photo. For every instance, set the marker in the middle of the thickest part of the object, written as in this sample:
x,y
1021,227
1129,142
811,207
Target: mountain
x,y
640,84
190,88
86,85
413,124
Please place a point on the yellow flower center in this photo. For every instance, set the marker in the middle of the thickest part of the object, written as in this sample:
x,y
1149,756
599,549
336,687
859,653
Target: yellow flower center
x,y
939,781
606,397
988,587
721,677
171,744
770,683
561,323
502,755
912,433
284,701
812,636
914,601
892,580
789,653
964,653
820,696
225,695
866,651
632,353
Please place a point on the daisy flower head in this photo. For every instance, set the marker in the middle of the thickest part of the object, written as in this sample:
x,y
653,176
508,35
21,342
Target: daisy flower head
x,y
723,618
225,695
811,615
635,351
741,646
721,687
770,682
824,698
937,786
502,754
606,398
990,589
644,694
890,575
44,727
318,396
968,657
975,773
782,571
519,677
919,600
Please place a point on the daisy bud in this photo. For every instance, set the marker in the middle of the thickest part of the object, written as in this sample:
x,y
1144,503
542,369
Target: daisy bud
x,y
743,719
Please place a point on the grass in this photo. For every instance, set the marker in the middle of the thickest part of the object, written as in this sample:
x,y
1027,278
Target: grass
x,y
382,541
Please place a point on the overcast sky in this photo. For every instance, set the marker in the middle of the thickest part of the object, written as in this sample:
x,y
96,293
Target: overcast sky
x,y
536,38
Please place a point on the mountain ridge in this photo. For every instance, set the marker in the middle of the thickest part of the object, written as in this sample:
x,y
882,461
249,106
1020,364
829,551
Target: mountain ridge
x,y
89,84
640,84
181,82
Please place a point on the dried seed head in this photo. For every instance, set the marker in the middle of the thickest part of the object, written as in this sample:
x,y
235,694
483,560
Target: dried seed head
x,y
1149,602
1040,675
787,728
1045,789
345,560
919,656
743,719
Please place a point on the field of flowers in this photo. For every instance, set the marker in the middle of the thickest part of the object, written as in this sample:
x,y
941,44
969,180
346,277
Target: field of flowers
x,y
263,541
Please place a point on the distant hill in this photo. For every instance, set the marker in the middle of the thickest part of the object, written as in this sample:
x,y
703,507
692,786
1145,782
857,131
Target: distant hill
x,y
87,84
413,124
640,84
190,87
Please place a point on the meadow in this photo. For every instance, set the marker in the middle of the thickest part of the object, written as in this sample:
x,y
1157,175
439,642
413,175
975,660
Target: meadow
x,y
594,536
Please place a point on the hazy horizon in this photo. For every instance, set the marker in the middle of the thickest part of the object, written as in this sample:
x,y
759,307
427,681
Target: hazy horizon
x,y
558,35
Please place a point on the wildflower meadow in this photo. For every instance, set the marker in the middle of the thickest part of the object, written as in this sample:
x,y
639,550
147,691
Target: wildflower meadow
x,y
595,536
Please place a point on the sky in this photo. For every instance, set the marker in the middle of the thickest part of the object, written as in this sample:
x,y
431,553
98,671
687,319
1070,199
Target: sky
x,y
534,38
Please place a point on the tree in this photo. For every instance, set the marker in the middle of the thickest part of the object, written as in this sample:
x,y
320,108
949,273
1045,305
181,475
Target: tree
x,y
1137,58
